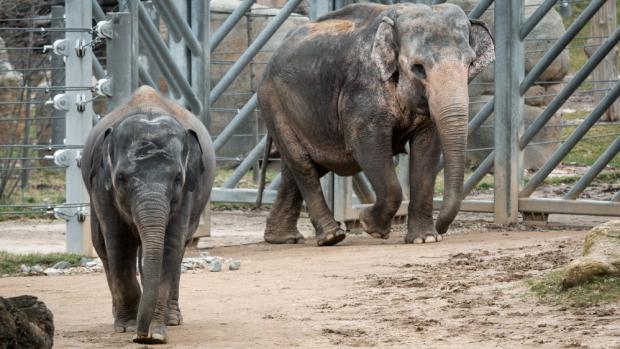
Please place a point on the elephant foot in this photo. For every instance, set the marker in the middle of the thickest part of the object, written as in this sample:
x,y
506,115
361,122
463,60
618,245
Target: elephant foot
x,y
330,238
157,335
294,237
174,317
370,226
423,235
125,325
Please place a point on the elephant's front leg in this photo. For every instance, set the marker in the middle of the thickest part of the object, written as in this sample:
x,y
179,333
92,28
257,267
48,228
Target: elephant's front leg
x,y
424,158
374,155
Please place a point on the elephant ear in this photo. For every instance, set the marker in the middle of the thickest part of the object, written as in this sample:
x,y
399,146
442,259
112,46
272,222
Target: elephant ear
x,y
195,165
384,49
481,41
105,162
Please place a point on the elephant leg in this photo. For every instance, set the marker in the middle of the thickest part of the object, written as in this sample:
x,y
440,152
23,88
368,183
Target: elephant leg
x,y
424,158
281,225
375,158
174,316
120,252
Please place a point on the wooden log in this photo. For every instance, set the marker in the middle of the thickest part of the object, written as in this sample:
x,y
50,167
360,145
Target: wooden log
x,y
602,26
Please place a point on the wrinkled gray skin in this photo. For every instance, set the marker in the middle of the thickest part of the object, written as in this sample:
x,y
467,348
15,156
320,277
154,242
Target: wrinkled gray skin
x,y
148,167
345,93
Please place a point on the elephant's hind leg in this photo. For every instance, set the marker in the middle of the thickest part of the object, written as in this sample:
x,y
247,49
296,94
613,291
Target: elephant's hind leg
x,y
282,221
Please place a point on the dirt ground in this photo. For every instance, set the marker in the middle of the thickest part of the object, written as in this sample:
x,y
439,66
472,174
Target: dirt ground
x,y
465,292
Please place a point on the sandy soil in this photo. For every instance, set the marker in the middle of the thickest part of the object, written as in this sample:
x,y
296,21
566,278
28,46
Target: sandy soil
x,y
466,291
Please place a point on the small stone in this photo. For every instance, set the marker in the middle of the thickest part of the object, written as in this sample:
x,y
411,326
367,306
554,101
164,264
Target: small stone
x,y
91,264
52,272
204,254
234,265
216,266
24,268
37,269
62,265
183,269
84,260
210,259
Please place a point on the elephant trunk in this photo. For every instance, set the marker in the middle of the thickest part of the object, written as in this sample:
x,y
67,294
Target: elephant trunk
x,y
151,212
449,105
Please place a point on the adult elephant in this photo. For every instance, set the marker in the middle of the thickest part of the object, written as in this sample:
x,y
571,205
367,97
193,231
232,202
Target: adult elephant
x,y
148,167
347,92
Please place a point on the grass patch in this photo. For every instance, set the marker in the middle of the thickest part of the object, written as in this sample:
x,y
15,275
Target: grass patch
x,y
9,262
593,144
600,290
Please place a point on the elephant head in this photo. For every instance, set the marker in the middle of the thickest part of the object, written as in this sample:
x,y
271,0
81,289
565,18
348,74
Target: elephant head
x,y
429,55
149,161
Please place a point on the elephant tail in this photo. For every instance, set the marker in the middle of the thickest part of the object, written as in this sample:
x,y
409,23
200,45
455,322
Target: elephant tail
x,y
263,173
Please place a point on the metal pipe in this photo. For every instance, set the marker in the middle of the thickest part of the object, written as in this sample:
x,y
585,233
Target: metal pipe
x,y
616,197
172,29
177,21
98,69
596,168
559,45
235,123
572,85
535,18
172,85
154,41
245,165
571,141
479,9
251,51
146,77
98,11
485,167
275,183
361,188
230,23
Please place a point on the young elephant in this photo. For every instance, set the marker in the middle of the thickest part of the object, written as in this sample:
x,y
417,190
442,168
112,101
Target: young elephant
x,y
148,167
347,92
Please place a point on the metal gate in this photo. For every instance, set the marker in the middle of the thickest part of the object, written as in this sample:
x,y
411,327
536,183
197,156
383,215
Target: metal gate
x,y
176,48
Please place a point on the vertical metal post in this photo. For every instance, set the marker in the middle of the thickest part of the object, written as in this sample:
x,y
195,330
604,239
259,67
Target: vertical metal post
x,y
178,50
58,76
122,58
145,58
509,72
79,119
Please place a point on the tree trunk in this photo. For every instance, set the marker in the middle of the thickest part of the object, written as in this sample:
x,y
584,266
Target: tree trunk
x,y
602,26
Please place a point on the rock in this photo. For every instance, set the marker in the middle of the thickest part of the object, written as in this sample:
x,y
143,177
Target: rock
x,y
24,268
234,265
91,264
52,272
210,259
62,265
601,255
551,91
84,260
535,95
37,269
216,266
25,322
183,269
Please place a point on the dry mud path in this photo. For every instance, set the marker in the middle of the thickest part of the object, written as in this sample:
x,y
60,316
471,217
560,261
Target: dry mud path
x,y
465,292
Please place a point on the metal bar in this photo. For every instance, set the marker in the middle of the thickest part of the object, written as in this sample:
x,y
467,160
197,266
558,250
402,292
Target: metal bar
x,y
173,15
561,206
251,51
616,197
172,29
78,122
239,119
155,42
343,199
98,70
179,51
596,168
362,188
275,183
122,58
535,18
58,77
204,80
165,70
557,48
572,85
241,195
230,23
145,77
479,9
571,141
245,165
509,70
98,13
485,167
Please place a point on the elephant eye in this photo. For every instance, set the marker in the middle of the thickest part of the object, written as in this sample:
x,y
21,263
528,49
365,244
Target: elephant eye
x,y
121,178
419,71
